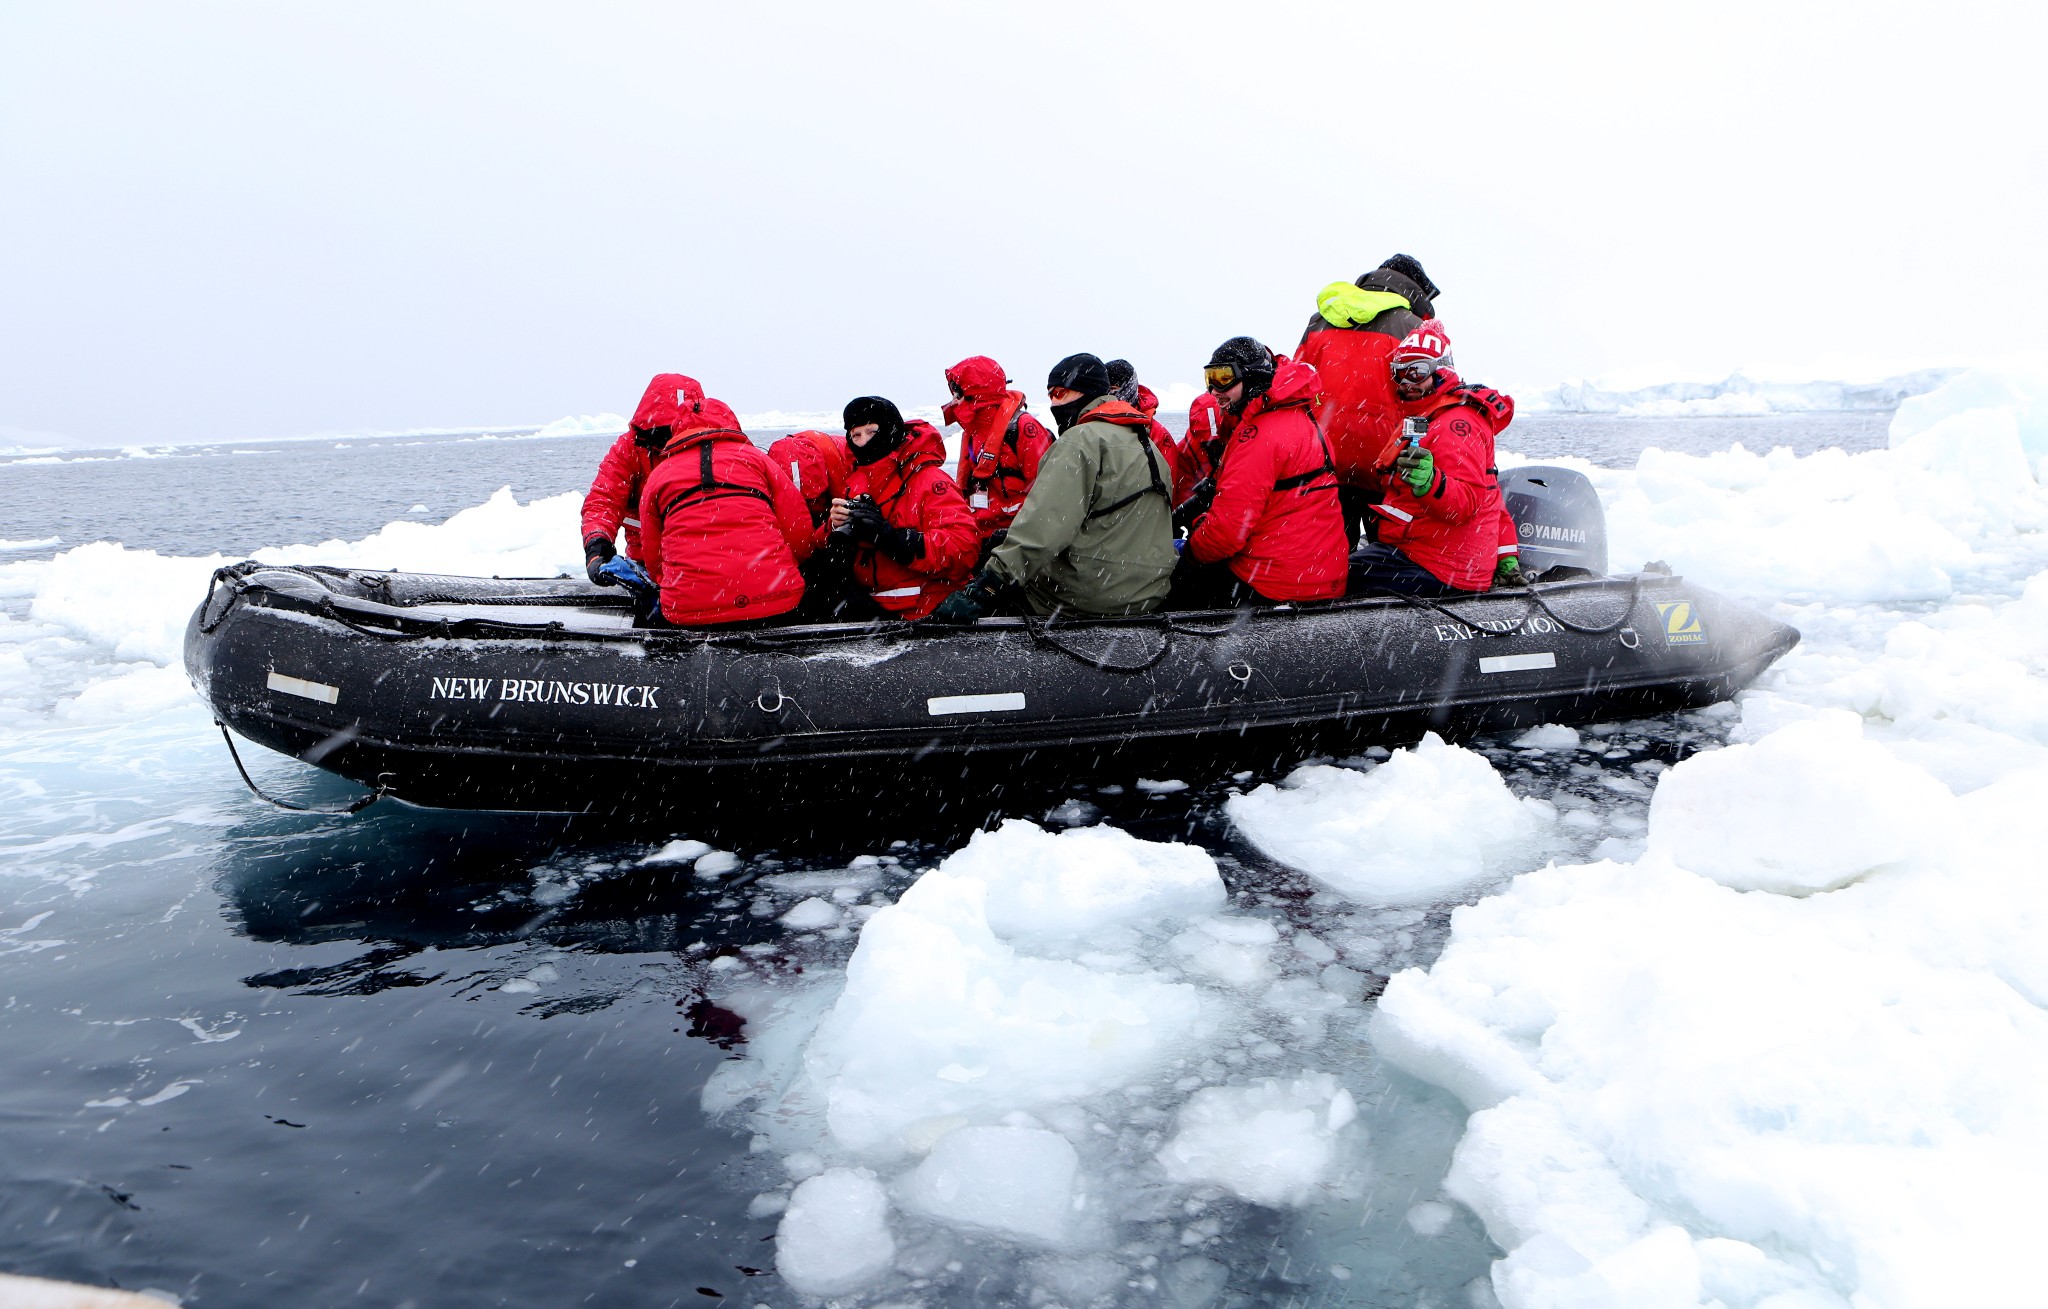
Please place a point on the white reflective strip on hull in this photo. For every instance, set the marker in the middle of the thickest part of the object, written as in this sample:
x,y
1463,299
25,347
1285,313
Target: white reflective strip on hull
x,y
974,704
1517,663
299,686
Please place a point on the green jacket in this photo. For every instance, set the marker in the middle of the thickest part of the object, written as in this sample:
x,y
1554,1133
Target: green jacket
x,y
1068,554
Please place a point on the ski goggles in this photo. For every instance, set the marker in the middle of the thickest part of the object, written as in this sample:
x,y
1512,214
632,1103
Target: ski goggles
x,y
1416,371
1221,377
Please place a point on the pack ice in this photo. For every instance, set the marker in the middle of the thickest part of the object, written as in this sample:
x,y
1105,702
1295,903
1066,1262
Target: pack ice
x,y
1792,1055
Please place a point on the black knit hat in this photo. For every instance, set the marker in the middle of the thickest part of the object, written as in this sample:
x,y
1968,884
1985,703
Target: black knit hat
x,y
1410,267
1123,380
1084,373
888,420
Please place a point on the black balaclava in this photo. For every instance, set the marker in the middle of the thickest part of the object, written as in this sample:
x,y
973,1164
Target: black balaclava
x,y
1252,360
1084,373
1123,380
890,431
652,439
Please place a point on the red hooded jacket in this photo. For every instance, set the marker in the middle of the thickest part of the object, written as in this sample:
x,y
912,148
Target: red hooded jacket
x,y
912,489
818,464
723,527
1000,444
614,496
1275,520
1459,527
1193,455
1360,413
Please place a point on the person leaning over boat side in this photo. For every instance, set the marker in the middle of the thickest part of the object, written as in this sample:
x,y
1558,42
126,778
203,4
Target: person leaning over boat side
x,y
1444,526
818,464
723,527
902,537
1273,532
1095,536
1349,340
614,496
1001,445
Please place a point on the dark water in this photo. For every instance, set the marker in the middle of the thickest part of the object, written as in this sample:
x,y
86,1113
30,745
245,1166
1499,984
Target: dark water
x,y
423,1059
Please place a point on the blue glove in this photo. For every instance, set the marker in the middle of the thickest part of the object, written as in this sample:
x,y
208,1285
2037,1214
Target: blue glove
x,y
626,573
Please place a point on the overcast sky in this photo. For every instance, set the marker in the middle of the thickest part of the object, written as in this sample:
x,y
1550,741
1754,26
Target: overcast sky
x,y
243,220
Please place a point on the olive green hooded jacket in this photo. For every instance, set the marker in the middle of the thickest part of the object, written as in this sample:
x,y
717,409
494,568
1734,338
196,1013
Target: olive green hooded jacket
x,y
1095,535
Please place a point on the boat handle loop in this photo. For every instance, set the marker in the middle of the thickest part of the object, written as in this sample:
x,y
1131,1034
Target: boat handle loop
x,y
1243,678
1041,634
761,702
1629,638
354,806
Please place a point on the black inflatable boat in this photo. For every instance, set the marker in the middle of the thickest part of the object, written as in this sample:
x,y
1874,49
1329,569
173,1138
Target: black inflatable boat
x,y
540,695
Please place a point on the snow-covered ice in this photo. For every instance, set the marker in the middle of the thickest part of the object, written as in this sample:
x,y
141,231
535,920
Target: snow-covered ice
x,y
1428,821
1791,1054
834,1236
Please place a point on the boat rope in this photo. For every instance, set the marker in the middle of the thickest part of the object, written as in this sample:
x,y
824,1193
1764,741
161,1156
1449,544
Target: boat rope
x,y
1535,602
354,806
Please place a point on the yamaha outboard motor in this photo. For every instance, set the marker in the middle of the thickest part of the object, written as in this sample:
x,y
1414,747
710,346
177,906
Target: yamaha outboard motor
x,y
1558,517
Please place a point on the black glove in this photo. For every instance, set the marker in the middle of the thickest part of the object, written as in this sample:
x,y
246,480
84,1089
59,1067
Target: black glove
x,y
864,520
1195,505
971,601
903,544
597,552
996,538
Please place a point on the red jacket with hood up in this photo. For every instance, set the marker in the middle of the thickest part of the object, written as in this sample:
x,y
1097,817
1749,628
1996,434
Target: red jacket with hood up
x,y
1275,521
911,487
1459,527
998,462
723,527
614,496
818,464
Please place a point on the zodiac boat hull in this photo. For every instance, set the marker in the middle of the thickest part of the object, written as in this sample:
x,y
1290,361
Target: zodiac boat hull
x,y
538,695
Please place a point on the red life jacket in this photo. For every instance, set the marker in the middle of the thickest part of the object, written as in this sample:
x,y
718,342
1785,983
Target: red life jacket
x,y
725,529
911,487
1275,521
1458,528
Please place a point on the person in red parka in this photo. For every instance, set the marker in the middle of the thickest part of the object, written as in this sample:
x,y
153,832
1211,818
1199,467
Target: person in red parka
x,y
1001,445
723,528
1273,531
613,500
903,529
1444,528
1349,342
1195,456
818,464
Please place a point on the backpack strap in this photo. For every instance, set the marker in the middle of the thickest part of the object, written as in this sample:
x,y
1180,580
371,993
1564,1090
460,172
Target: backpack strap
x,y
709,487
1302,480
1157,488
